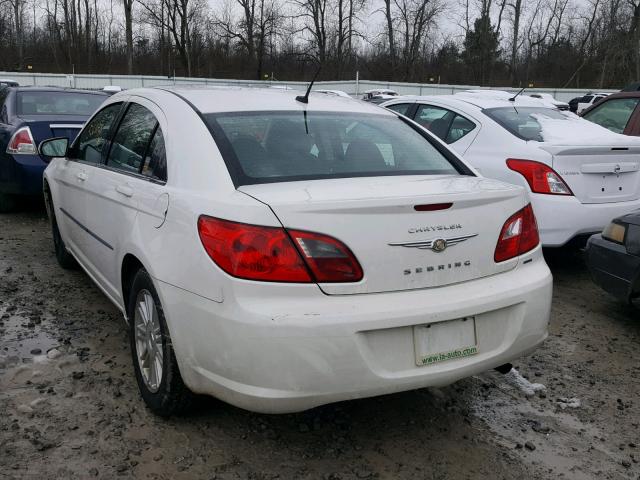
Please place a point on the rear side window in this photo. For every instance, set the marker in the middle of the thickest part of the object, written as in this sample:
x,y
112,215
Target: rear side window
x,y
523,121
132,139
57,103
155,162
459,128
587,99
262,147
613,114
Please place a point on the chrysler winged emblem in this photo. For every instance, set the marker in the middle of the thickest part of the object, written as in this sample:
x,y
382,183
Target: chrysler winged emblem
x,y
437,244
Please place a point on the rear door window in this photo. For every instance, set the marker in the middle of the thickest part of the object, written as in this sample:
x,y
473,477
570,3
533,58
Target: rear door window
x,y
263,147
401,108
444,124
132,139
89,145
613,114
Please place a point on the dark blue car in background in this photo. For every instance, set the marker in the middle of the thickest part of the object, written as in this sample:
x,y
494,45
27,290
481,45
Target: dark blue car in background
x,y
29,115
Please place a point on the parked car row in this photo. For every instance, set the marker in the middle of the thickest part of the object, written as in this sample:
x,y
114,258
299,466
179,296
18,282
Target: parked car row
x,y
282,251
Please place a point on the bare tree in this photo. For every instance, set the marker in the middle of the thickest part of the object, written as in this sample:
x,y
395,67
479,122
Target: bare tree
x,y
588,31
314,16
258,22
179,18
516,6
635,34
128,27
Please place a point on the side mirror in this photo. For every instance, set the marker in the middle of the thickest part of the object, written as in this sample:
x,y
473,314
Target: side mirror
x,y
54,147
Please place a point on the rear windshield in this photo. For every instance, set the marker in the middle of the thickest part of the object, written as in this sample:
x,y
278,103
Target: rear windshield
x,y
523,121
58,103
265,147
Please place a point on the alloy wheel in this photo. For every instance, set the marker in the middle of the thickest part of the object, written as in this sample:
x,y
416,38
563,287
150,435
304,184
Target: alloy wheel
x,y
148,335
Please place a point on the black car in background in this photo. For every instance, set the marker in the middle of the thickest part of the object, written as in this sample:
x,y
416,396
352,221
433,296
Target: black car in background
x,y
573,104
29,115
613,257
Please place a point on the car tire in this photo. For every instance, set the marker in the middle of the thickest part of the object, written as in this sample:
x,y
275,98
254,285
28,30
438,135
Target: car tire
x,y
65,259
7,203
154,360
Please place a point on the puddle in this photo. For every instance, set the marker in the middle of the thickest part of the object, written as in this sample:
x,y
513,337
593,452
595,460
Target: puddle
x,y
18,339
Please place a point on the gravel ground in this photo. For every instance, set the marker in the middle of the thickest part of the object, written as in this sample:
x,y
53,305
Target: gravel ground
x,y
69,405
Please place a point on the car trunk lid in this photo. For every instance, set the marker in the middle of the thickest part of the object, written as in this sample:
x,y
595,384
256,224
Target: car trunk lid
x,y
599,174
48,126
377,219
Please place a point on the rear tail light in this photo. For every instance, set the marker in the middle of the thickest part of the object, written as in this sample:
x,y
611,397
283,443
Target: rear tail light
x,y
540,177
22,143
518,235
274,254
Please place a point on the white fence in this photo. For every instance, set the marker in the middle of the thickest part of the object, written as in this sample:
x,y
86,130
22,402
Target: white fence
x,y
352,87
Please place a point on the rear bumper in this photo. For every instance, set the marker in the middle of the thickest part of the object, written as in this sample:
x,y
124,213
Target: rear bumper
x,y
561,218
612,268
21,174
300,348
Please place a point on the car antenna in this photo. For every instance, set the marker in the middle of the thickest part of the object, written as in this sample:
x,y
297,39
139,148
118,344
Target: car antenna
x,y
305,98
513,99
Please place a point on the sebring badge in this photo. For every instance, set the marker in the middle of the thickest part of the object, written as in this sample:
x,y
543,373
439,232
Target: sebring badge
x,y
437,244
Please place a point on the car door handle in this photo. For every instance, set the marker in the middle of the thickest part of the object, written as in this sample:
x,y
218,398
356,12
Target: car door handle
x,y
81,176
125,190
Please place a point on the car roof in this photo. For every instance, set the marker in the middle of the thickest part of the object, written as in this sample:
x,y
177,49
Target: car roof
x,y
214,99
27,88
464,99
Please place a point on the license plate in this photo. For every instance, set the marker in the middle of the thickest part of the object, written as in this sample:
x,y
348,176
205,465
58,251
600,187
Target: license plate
x,y
442,341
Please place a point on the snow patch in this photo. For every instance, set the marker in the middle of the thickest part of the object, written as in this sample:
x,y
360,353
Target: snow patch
x,y
514,378
568,403
573,130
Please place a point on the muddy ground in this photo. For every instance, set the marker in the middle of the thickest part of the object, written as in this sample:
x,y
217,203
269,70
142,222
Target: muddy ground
x,y
69,405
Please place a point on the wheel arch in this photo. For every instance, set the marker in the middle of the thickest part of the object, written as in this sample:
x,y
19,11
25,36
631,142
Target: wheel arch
x,y
46,192
130,266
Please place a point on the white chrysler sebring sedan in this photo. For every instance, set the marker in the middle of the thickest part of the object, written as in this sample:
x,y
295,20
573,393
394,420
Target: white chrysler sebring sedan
x,y
282,252
579,175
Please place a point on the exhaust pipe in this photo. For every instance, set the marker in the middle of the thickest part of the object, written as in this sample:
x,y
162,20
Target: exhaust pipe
x,y
504,369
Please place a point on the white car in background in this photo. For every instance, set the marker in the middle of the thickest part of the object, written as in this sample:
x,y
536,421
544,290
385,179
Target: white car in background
x,y
579,174
379,95
588,100
7,82
280,255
